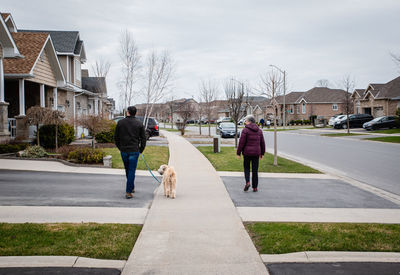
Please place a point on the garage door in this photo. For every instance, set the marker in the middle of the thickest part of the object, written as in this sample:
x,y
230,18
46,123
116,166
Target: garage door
x,y
378,111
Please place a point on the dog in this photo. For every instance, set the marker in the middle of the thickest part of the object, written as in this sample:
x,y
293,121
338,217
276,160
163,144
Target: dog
x,y
168,180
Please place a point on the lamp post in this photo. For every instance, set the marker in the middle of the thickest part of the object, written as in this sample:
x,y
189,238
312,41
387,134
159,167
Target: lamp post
x,y
284,94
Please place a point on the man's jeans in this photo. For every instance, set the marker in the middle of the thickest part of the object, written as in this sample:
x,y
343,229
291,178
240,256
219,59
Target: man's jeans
x,y
130,160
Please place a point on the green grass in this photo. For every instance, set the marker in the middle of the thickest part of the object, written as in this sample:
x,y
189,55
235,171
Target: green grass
x,y
154,155
102,241
280,129
395,139
226,161
170,130
278,238
342,135
387,131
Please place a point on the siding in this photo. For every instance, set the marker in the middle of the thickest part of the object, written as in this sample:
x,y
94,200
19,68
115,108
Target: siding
x,y
43,72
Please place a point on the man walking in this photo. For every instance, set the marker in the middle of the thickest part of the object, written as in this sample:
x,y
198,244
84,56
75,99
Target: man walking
x,y
130,138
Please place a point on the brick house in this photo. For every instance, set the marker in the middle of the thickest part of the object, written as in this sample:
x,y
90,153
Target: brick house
x,y
378,99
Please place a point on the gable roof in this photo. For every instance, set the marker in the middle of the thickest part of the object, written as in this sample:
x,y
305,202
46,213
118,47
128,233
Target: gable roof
x,y
5,15
360,92
290,98
94,84
10,49
323,95
390,89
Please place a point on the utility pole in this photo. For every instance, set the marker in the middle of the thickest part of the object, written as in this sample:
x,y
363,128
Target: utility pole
x,y
284,94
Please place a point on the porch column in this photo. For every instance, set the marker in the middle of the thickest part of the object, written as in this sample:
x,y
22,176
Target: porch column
x,y
101,107
22,97
42,96
55,98
2,98
96,106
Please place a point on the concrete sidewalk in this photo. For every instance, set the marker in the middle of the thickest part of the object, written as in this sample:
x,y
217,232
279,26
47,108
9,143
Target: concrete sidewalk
x,y
200,231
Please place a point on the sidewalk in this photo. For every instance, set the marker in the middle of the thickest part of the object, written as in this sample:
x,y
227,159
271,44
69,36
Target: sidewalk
x,y
200,231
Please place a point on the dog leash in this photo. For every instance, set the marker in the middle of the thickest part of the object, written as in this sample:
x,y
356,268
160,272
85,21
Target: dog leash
x,y
148,168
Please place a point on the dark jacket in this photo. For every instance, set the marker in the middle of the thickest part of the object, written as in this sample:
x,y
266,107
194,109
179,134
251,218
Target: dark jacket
x,y
251,141
130,135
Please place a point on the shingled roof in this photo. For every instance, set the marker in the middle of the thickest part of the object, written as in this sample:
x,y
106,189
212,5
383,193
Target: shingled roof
x,y
389,90
323,95
5,15
290,98
30,46
94,84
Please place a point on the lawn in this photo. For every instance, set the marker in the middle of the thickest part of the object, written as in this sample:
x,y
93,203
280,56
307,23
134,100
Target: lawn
x,y
169,129
154,156
342,135
387,131
226,161
278,238
395,139
101,241
281,129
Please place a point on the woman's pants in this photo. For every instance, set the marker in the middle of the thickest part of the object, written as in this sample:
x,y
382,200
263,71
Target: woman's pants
x,y
254,168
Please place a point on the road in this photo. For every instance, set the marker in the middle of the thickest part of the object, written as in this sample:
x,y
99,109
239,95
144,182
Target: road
x,y
373,163
66,189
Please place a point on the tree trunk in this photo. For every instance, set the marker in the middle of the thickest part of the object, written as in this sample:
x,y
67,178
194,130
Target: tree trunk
x,y
348,124
236,132
56,137
275,144
200,126
209,128
37,134
93,142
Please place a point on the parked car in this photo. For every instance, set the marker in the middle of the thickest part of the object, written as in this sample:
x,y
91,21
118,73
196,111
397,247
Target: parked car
x,y
226,129
224,119
355,121
152,126
332,120
381,122
241,121
338,118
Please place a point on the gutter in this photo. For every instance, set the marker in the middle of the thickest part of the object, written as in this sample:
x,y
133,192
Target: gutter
x,y
18,75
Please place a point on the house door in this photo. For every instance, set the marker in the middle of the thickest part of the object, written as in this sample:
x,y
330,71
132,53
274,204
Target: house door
x,y
367,111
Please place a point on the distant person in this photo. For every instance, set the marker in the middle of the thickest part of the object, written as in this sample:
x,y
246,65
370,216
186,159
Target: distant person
x,y
262,122
268,123
130,138
252,147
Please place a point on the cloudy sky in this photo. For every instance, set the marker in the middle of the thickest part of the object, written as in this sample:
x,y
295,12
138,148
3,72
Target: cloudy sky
x,y
221,39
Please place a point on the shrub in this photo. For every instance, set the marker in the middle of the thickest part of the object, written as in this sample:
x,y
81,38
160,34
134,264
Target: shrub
x,y
107,136
34,152
306,122
12,148
66,135
87,155
65,150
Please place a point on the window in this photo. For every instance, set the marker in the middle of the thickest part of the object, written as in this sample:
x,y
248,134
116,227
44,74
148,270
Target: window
x,y
77,70
291,110
303,108
298,109
334,107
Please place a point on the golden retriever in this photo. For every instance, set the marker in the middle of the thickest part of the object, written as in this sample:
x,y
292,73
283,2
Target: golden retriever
x,y
168,180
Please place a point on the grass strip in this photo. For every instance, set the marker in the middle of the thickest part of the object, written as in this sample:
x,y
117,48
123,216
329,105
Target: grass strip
x,y
342,135
170,129
387,131
278,238
226,161
154,155
395,139
101,241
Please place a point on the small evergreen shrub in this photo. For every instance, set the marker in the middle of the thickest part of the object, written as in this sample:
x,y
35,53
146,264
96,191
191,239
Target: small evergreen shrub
x,y
12,147
34,152
87,155
107,136
47,135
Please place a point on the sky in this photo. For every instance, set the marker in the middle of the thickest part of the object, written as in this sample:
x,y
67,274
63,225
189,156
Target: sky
x,y
225,39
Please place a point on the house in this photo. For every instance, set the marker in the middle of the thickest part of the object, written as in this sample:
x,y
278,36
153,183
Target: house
x,y
255,105
378,99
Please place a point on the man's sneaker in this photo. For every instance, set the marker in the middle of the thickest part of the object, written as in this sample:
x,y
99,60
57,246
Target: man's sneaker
x,y
255,190
128,196
246,187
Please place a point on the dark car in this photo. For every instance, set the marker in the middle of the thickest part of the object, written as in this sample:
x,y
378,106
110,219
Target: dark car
x,y
355,121
226,129
152,126
381,122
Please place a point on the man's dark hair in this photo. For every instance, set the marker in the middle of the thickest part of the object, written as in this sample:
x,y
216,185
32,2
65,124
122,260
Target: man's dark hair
x,y
132,110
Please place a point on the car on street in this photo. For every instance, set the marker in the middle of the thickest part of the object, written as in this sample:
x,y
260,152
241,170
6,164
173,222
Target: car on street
x,y
355,121
226,129
224,119
332,120
152,129
241,121
381,122
338,118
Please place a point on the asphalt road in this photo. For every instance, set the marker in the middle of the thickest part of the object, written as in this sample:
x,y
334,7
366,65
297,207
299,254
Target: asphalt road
x,y
373,163
289,192
334,268
67,189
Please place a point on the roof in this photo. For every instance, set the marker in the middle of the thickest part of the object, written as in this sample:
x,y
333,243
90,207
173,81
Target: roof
x,y
5,15
290,98
255,98
94,84
390,89
30,46
323,95
64,41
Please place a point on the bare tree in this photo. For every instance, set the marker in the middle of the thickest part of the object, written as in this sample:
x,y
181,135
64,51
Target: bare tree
x,y
159,70
101,68
130,59
171,110
56,118
200,113
95,124
208,93
186,112
234,92
322,83
348,85
272,86
37,115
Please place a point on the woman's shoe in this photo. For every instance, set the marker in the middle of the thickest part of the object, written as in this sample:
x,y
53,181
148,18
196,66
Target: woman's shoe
x,y
255,190
128,196
246,187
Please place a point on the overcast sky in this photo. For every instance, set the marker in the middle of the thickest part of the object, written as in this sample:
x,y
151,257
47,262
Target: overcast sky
x,y
220,39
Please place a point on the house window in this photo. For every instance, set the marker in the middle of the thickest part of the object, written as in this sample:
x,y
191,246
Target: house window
x,y
298,109
334,107
303,108
291,110
61,108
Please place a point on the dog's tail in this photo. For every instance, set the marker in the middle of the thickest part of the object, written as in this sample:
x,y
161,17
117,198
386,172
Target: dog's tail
x,y
171,173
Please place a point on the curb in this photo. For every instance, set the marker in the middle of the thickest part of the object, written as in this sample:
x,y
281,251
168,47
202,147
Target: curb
x,y
331,257
59,261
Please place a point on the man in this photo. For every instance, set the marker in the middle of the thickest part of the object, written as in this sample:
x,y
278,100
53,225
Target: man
x,y
130,138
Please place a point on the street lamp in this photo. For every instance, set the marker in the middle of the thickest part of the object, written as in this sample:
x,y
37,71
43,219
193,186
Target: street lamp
x,y
284,94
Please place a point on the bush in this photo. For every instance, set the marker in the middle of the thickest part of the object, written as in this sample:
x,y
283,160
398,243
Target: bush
x,y
47,135
12,148
306,122
107,136
34,152
87,155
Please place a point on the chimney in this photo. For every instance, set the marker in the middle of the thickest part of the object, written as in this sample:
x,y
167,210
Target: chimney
x,y
85,73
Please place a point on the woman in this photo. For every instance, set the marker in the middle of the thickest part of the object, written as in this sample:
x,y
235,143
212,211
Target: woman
x,y
252,146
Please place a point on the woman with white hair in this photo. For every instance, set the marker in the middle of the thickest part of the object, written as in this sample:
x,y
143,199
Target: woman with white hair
x,y
252,147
